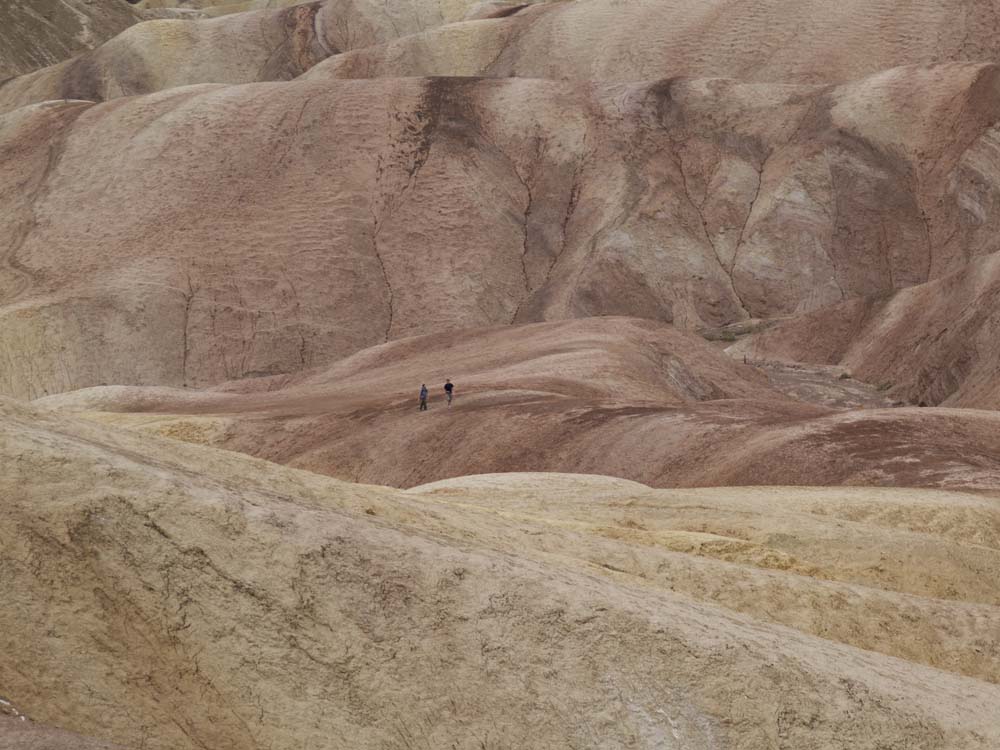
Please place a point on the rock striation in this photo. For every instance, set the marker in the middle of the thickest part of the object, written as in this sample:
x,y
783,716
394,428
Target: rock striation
x,y
275,227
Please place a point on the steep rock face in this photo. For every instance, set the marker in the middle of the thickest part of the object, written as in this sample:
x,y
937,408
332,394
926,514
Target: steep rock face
x,y
274,227
170,596
933,344
37,33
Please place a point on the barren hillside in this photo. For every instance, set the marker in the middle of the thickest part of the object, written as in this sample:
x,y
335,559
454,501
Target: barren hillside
x,y
183,597
934,344
612,396
342,214
716,283
766,41
38,33
242,42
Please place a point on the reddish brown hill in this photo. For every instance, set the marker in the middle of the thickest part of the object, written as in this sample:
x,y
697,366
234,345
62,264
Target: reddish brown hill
x,y
787,41
238,231
260,225
160,54
250,40
611,396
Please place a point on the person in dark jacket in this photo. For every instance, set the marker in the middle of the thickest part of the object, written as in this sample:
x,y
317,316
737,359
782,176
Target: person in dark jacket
x,y
423,397
448,388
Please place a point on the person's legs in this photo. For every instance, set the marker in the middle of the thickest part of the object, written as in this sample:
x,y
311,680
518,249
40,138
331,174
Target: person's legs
x,y
449,398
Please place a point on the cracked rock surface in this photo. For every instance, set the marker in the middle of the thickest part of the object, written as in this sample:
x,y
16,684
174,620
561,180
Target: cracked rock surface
x,y
185,597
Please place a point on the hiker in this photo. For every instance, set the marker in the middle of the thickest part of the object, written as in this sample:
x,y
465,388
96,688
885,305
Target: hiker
x,y
448,388
423,397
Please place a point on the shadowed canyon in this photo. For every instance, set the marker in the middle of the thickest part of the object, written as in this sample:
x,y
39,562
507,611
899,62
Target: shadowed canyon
x,y
718,287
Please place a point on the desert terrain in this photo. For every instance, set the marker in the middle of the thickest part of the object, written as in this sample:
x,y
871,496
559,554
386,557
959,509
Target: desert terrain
x,y
718,287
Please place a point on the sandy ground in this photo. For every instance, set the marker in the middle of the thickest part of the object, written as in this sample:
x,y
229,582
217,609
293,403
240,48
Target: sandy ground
x,y
17,734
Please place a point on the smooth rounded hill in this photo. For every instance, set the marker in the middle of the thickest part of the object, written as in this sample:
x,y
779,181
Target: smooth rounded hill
x,y
219,601
164,53
622,397
788,41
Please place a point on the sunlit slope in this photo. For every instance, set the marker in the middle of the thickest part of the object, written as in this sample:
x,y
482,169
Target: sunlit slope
x,y
230,602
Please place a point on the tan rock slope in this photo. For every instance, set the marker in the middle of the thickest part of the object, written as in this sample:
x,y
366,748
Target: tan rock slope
x,y
611,396
275,227
789,41
181,597
37,33
259,40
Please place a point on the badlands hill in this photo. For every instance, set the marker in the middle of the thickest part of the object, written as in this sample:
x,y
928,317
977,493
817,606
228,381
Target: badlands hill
x,y
236,231
935,343
256,40
791,41
700,202
786,41
184,597
717,283
611,396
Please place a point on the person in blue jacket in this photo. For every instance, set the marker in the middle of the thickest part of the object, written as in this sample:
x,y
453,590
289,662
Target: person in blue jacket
x,y
423,397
